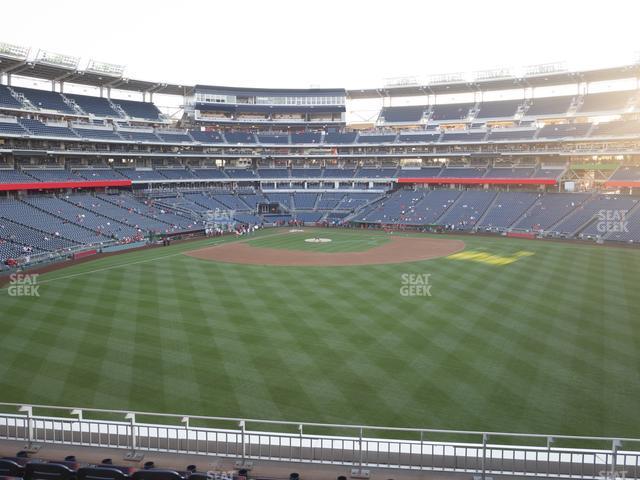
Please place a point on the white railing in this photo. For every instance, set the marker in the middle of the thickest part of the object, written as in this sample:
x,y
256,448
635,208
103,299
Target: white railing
x,y
354,446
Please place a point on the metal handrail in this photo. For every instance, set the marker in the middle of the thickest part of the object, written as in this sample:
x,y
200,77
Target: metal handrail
x,y
327,425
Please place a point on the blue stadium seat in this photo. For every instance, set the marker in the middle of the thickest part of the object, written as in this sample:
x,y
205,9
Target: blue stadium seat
x,y
98,106
404,114
39,129
45,100
142,110
7,99
8,127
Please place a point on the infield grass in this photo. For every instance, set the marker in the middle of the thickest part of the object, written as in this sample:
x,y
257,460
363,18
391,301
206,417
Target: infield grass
x,y
341,241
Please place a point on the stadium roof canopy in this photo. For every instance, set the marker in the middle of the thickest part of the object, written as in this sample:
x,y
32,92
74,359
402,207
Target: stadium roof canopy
x,y
62,68
501,83
15,60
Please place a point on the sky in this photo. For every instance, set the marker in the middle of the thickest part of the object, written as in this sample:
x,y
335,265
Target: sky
x,y
332,43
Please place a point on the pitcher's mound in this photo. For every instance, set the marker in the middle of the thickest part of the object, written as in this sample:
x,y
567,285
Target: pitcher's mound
x,y
396,250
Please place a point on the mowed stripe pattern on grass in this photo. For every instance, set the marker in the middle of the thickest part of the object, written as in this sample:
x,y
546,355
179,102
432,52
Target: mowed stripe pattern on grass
x,y
548,343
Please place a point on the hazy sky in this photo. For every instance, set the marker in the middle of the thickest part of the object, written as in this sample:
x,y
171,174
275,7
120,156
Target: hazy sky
x,y
331,43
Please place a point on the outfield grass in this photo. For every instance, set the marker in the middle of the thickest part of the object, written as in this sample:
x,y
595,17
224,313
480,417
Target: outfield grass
x,y
517,335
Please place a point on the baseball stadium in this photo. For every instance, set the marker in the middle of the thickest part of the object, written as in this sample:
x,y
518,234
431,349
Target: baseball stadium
x,y
259,283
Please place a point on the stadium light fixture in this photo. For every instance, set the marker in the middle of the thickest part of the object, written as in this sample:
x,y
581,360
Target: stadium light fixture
x,y
14,51
104,68
545,68
493,74
57,59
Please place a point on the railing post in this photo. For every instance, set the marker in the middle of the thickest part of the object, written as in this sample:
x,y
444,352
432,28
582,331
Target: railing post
x,y
132,455
242,430
361,451
300,428
550,441
29,427
132,418
185,420
484,455
615,444
421,450
243,463
30,447
78,412
359,472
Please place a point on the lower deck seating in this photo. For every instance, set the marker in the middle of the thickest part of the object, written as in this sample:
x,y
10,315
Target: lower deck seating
x,y
38,224
70,212
47,224
550,209
466,212
627,229
506,209
600,216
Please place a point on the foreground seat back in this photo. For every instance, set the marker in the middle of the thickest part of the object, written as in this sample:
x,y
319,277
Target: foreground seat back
x,y
47,471
100,473
156,474
10,468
